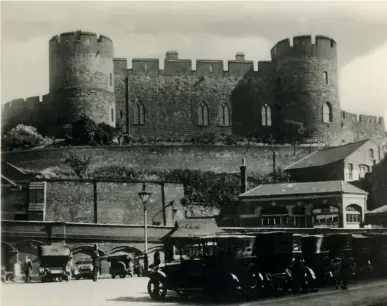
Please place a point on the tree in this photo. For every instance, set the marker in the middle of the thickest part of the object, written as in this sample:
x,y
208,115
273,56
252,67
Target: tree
x,y
21,137
78,164
104,134
83,132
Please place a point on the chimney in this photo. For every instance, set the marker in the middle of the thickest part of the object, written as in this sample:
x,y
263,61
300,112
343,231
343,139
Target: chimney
x,y
240,56
243,176
171,55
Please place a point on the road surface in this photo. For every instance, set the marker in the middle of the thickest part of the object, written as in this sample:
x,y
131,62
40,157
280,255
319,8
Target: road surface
x,y
132,291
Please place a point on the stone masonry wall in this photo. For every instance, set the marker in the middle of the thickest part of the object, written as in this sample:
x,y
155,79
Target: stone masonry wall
x,y
85,79
117,202
205,158
171,103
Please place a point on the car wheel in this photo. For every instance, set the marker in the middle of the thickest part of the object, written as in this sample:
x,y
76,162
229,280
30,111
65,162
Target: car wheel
x,y
113,275
122,275
157,288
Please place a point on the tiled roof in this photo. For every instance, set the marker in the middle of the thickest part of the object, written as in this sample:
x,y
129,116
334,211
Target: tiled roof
x,y
302,189
326,156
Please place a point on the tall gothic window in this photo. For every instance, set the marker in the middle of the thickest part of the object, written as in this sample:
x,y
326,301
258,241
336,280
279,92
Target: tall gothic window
x,y
224,115
266,115
327,112
202,114
139,114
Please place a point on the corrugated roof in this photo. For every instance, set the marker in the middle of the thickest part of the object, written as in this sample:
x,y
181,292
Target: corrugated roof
x,y
302,189
327,156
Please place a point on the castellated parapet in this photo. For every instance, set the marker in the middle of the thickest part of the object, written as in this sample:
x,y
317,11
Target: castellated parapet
x,y
299,84
82,77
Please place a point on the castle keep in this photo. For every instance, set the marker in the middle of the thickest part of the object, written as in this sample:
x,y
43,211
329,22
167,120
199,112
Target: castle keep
x,y
296,92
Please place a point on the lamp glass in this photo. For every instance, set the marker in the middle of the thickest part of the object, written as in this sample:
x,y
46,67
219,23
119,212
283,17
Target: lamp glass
x,y
144,196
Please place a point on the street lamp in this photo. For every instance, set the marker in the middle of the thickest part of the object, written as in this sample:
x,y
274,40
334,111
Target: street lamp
x,y
144,196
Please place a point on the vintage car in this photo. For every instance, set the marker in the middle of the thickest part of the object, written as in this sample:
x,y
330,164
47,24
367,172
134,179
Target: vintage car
x,y
206,264
378,248
120,265
53,261
317,256
280,260
356,248
85,268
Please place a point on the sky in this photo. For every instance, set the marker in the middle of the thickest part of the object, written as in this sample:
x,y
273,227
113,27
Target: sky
x,y
201,30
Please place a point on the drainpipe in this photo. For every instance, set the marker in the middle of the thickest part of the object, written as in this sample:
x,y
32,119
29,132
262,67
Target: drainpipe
x,y
274,166
243,176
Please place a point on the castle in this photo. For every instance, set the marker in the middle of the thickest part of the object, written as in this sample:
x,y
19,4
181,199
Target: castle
x,y
296,92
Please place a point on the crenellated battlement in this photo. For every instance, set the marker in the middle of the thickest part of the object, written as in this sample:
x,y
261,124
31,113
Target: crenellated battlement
x,y
87,39
304,45
173,65
362,122
86,79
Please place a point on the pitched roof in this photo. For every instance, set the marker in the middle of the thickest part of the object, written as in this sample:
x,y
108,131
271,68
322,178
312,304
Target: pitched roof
x,y
381,209
302,189
12,172
327,156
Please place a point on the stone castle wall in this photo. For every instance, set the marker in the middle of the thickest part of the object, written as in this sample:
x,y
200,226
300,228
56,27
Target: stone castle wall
x,y
85,79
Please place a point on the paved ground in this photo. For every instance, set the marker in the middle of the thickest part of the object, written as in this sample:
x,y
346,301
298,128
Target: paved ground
x,y
132,291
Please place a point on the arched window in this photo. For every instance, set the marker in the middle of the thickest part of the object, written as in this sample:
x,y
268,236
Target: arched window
x,y
202,114
266,115
353,214
139,114
327,112
224,115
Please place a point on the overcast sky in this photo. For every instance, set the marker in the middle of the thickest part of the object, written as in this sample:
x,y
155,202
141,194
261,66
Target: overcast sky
x,y
204,30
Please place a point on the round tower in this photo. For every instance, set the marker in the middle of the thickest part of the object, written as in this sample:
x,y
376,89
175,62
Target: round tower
x,y
306,82
81,77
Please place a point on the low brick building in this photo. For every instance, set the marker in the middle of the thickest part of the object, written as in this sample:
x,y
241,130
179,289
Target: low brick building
x,y
349,162
313,204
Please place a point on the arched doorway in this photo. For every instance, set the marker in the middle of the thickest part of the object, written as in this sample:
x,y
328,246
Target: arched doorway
x,y
8,252
28,248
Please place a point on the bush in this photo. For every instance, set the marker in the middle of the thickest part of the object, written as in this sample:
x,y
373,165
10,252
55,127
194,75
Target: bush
x,y
83,132
86,132
78,164
21,137
105,134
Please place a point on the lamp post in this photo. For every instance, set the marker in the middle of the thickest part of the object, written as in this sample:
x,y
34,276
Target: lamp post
x,y
144,196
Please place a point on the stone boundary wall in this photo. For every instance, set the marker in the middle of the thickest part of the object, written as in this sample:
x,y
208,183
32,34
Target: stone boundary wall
x,y
161,157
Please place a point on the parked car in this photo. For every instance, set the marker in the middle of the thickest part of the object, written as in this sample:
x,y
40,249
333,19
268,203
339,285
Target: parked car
x,y
53,261
209,264
85,268
279,259
120,265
